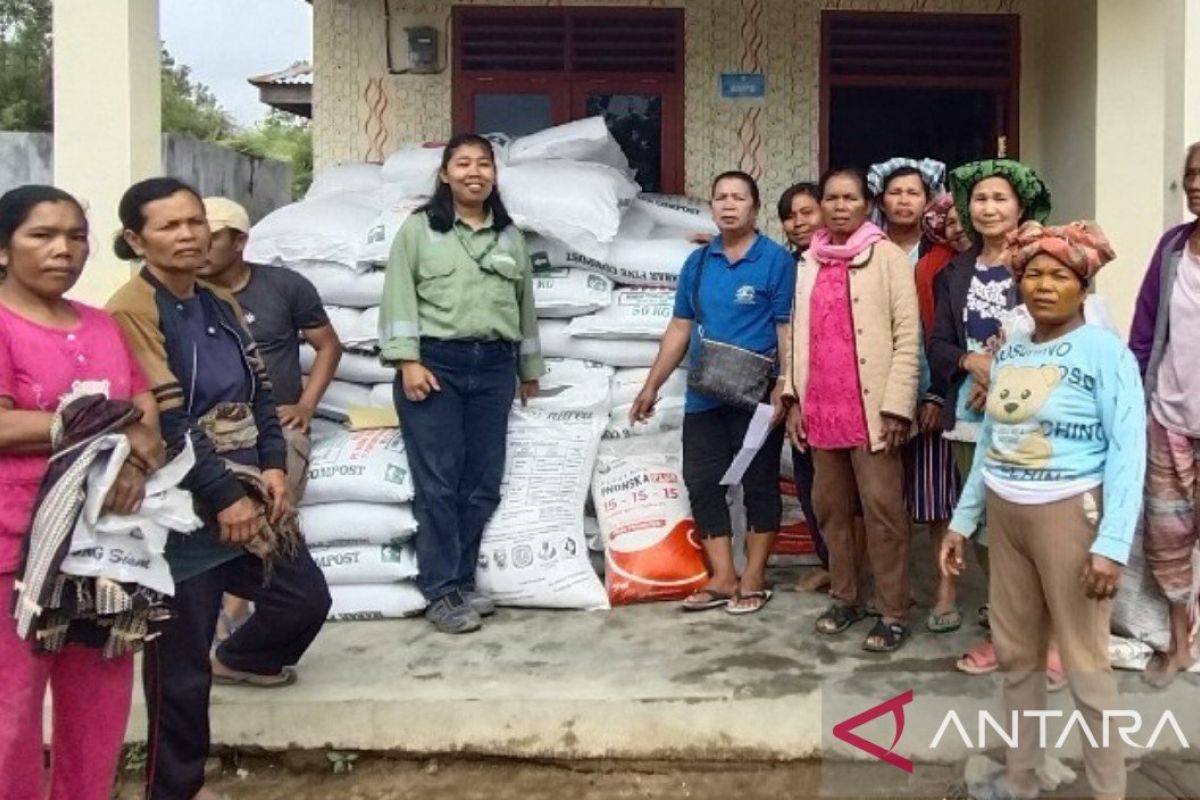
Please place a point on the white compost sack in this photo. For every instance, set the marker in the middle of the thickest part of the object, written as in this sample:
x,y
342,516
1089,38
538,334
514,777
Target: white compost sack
x,y
582,140
628,261
368,465
668,415
340,397
366,563
570,292
345,323
676,214
353,368
383,396
557,343
346,524
534,552
382,601
627,383
632,314
571,371
329,229
412,171
577,203
342,286
377,242
360,178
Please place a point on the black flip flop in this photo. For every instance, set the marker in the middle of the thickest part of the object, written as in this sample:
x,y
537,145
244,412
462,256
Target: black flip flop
x,y
842,618
715,600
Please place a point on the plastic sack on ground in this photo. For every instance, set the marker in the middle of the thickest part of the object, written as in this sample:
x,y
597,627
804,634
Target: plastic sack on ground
x,y
582,140
353,368
676,215
570,292
628,261
381,601
377,241
571,371
347,524
359,178
340,397
627,383
366,563
632,314
342,286
412,171
652,550
557,343
534,553
329,229
574,202
1140,610
369,466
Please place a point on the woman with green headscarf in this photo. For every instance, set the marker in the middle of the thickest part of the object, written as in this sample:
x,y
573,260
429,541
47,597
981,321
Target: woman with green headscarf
x,y
972,294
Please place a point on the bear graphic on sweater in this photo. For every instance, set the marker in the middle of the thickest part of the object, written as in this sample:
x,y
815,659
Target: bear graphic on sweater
x,y
1016,396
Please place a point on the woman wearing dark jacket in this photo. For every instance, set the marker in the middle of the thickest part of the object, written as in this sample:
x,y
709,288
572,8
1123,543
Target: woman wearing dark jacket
x,y
212,389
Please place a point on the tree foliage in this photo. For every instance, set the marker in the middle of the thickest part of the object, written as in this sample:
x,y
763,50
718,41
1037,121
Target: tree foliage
x,y
190,108
281,136
25,66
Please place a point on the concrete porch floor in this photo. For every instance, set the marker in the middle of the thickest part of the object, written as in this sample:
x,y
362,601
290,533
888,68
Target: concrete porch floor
x,y
638,682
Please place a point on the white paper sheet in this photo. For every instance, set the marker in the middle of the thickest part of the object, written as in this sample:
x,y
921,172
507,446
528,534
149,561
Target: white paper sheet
x,y
756,434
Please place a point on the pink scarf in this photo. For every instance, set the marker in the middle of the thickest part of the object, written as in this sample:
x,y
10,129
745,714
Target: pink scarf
x,y
828,253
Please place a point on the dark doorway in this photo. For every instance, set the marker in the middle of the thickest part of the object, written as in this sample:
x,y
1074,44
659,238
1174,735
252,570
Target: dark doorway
x,y
868,125
943,86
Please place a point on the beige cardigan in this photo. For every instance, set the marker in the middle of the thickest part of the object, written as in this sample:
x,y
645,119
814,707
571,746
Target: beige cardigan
x,y
887,334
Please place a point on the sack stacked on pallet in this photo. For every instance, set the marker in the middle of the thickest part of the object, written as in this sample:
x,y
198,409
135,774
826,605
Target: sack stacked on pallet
x,y
361,381
357,519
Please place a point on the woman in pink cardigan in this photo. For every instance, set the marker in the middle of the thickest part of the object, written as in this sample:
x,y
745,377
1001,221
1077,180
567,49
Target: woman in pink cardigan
x,y
853,386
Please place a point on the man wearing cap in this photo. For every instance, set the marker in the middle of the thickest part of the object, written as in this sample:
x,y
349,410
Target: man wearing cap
x,y
281,307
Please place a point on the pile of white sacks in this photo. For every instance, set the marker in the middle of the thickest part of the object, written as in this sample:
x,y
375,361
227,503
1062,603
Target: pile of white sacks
x,y
357,518
606,262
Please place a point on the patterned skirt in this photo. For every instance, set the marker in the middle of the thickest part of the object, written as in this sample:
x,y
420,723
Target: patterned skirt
x,y
931,480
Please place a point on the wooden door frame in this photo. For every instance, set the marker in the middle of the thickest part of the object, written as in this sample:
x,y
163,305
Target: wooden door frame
x,y
1011,86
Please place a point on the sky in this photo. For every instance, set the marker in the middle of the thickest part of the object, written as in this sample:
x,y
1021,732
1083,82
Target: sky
x,y
226,41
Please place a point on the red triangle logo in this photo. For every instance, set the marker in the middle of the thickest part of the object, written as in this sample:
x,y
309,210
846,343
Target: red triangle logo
x,y
895,707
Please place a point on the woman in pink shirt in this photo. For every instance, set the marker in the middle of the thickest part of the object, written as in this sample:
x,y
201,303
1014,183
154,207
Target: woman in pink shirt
x,y
48,346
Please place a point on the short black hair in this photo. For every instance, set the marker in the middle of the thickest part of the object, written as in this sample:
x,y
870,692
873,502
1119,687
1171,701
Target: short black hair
x,y
853,172
792,192
17,204
132,208
440,208
745,178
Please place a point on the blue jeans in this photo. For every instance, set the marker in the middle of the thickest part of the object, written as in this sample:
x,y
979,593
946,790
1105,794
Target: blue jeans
x,y
456,442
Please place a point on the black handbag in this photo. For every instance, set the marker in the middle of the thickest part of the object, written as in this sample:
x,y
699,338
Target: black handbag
x,y
731,375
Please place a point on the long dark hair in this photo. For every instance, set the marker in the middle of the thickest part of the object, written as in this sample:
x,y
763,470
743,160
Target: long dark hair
x,y
131,209
440,208
807,188
17,204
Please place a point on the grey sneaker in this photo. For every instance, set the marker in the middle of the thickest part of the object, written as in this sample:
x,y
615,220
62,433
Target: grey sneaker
x,y
452,614
484,606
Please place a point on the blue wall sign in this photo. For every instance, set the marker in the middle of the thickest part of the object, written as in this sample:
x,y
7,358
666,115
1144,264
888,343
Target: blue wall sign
x,y
743,85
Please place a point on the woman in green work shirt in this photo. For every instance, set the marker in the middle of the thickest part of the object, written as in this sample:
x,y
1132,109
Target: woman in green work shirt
x,y
457,321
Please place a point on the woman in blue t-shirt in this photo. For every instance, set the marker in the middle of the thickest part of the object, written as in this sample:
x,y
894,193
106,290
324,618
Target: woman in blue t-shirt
x,y
735,290
1059,466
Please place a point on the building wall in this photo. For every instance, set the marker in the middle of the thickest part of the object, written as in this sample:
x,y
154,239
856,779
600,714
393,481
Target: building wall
x,y
362,113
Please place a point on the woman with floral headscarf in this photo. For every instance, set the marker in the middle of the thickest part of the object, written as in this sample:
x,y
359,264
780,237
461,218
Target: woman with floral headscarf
x,y
1059,467
991,198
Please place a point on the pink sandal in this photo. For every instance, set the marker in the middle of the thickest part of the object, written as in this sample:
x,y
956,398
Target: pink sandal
x,y
979,660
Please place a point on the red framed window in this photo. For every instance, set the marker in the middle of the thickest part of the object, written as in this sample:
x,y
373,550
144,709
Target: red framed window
x,y
521,69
